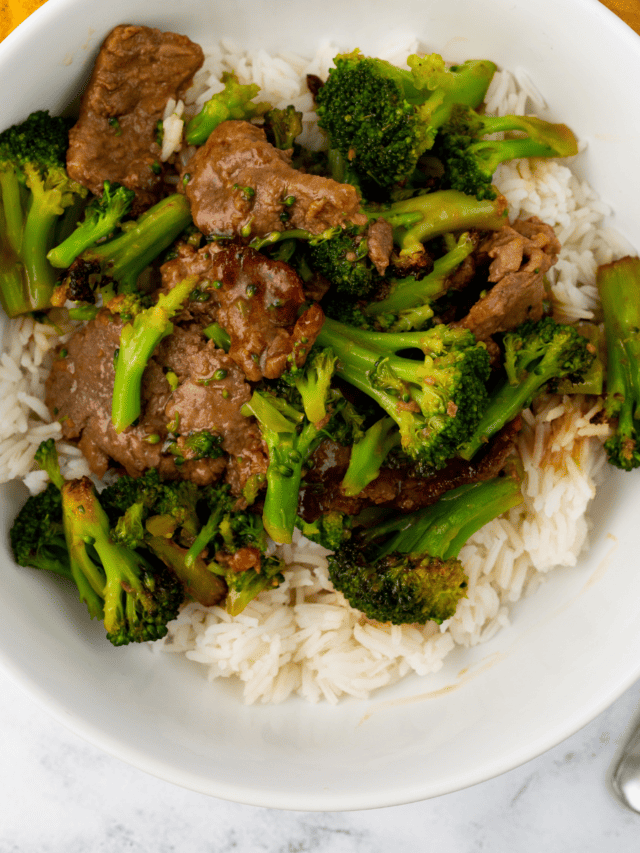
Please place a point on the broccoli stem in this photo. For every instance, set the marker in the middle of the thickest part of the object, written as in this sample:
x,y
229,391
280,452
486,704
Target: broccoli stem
x,y
619,287
288,451
218,335
443,528
442,212
368,455
138,340
206,534
125,257
101,218
12,208
287,454
409,294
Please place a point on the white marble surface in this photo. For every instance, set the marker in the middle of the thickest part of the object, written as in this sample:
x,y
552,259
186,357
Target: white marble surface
x,y
59,794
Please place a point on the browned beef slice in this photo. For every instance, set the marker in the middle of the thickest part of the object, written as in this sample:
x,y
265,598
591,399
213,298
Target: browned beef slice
x,y
520,256
380,244
259,300
238,184
202,309
137,70
209,393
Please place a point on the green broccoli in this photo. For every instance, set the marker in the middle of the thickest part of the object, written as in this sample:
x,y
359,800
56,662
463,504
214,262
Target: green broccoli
x,y
619,287
218,551
114,266
35,190
234,102
537,354
409,302
407,570
292,426
283,127
331,529
138,340
102,216
134,598
382,118
436,400
341,255
368,455
37,535
470,161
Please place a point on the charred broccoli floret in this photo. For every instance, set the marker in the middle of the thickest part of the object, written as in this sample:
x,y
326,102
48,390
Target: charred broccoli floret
x,y
407,570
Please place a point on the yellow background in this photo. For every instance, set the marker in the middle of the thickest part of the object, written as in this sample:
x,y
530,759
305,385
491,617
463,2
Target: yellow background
x,y
12,12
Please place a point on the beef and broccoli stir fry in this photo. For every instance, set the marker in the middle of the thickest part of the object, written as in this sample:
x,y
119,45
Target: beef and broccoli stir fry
x,y
339,341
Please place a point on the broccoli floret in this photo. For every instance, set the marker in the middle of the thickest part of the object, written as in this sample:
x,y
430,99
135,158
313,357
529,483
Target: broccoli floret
x,y
409,303
102,216
291,435
217,551
37,534
138,340
344,261
35,190
46,456
469,160
382,118
283,127
203,445
619,287
116,264
407,570
331,529
234,102
134,598
536,355
436,400
166,518
368,455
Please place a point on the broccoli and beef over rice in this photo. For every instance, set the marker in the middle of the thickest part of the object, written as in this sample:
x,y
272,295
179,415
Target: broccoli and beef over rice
x,y
305,363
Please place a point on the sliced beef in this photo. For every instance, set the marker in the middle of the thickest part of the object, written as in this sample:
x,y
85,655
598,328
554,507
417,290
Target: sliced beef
x,y
396,488
203,307
380,244
519,256
208,395
137,70
240,185
257,301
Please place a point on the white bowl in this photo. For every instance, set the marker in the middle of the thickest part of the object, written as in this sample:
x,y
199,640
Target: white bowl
x,y
573,647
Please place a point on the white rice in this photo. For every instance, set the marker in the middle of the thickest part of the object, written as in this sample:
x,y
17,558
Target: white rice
x,y
303,638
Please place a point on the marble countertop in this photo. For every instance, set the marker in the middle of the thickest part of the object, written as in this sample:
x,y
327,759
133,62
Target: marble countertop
x,y
60,794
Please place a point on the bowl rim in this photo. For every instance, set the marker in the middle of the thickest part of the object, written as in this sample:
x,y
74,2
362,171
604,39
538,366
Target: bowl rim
x,y
65,714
